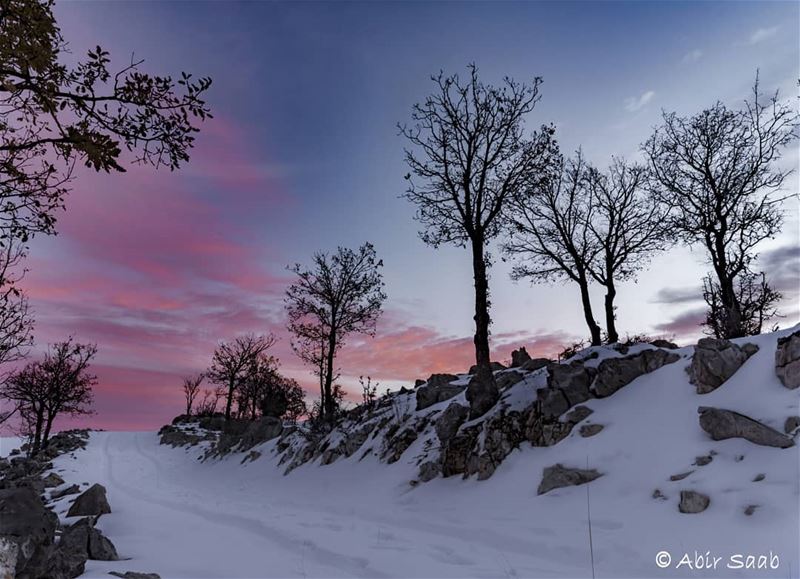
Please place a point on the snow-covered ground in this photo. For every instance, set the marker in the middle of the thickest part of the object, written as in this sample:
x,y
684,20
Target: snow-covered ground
x,y
180,517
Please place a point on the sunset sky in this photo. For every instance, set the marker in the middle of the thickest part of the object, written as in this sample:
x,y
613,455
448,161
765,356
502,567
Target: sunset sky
x,y
303,155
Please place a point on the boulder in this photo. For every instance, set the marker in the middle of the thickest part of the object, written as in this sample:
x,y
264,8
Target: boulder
x,y
502,433
135,575
450,421
70,490
535,364
52,480
714,361
552,402
495,367
83,540
437,389
573,379
260,431
91,502
693,502
661,343
519,357
703,460
578,414
588,430
27,530
615,373
482,394
505,380
558,476
722,424
787,360
792,423
457,453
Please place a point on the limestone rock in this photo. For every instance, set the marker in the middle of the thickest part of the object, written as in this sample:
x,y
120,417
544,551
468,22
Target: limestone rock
x,y
693,502
92,501
722,424
558,476
787,360
714,361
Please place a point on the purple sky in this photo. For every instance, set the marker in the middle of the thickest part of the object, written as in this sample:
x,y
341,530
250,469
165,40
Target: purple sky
x,y
156,267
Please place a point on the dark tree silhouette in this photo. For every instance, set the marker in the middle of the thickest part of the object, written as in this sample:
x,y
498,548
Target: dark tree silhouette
x,y
191,389
57,385
717,169
16,324
469,155
757,302
548,231
233,360
340,295
627,223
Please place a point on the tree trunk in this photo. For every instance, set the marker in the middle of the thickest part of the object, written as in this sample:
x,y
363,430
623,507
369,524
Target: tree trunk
x,y
482,390
37,433
48,427
611,322
594,329
229,401
329,404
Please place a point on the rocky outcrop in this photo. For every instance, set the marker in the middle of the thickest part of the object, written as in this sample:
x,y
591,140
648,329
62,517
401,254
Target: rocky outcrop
x,y
535,364
494,366
450,420
662,343
559,476
177,436
615,373
722,424
70,490
714,361
260,431
482,394
787,360
27,531
519,357
437,389
92,502
693,502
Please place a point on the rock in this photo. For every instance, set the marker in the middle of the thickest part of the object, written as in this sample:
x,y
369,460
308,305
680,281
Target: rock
x,y
214,422
399,443
693,502
578,414
723,424
135,575
703,460
101,548
495,367
681,476
572,379
588,430
429,470
792,423
28,528
92,501
714,361
519,357
70,490
552,402
558,476
52,480
482,395
83,540
787,360
458,451
535,364
175,436
450,420
260,431
750,509
502,433
658,495
437,389
759,477
615,373
666,344
418,383
236,426
505,380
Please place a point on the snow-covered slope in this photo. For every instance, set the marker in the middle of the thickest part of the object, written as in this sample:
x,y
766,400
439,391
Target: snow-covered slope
x,y
181,517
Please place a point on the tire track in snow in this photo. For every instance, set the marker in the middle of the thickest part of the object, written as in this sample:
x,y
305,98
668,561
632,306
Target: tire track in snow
x,y
351,566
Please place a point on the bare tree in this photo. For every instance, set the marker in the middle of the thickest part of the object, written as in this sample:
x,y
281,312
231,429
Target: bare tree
x,y
627,223
191,388
757,301
232,361
16,323
717,169
470,155
549,234
57,385
341,294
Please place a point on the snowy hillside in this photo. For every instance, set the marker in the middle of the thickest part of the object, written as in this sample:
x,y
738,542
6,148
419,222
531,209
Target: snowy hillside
x,y
238,515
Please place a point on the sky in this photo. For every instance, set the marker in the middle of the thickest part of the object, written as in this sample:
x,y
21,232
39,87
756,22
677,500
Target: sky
x,y
304,155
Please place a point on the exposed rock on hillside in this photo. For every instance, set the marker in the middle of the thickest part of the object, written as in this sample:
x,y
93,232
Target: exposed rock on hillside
x,y
91,502
558,476
714,361
614,373
721,424
437,389
787,360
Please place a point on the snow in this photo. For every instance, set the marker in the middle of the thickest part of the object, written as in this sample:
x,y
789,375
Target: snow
x,y
9,443
180,517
